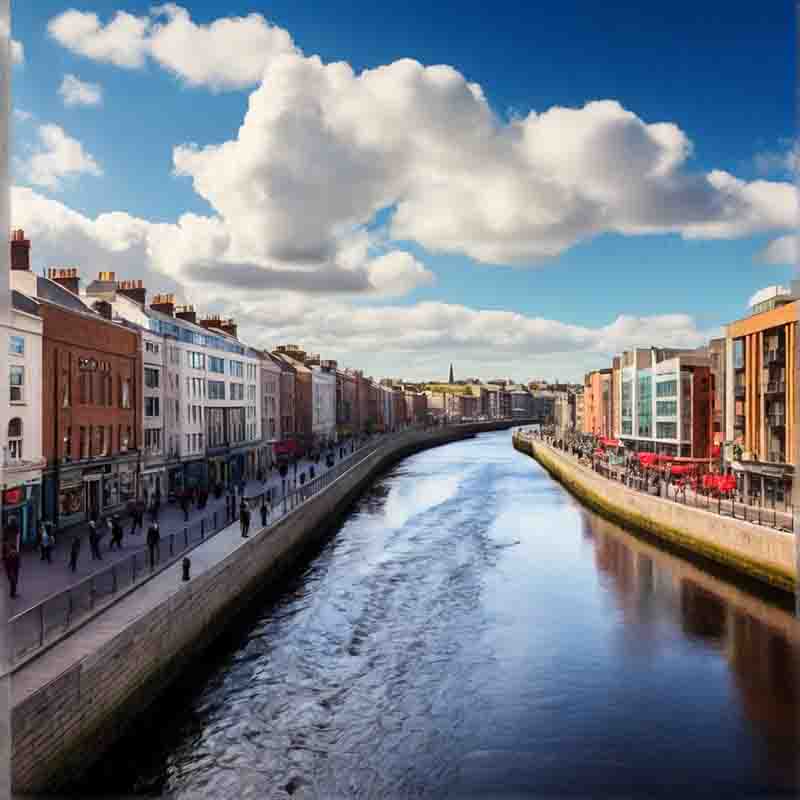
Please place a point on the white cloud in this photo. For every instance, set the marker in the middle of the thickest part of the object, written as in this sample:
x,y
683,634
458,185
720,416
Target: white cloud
x,y
382,339
23,116
121,42
782,162
229,53
17,52
58,156
76,92
782,250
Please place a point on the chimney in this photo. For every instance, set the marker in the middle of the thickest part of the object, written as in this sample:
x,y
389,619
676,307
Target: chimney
x,y
134,290
20,251
212,322
165,303
107,277
229,326
103,308
186,313
66,277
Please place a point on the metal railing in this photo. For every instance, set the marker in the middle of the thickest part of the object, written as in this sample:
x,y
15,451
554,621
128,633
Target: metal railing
x,y
771,514
62,612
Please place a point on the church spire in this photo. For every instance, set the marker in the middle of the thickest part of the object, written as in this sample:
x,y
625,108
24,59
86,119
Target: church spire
x,y
451,374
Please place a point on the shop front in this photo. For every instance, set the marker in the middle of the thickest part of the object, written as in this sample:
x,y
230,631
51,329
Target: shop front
x,y
175,480
154,482
94,491
20,512
196,475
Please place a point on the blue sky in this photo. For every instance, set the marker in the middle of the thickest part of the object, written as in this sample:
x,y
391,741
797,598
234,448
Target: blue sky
x,y
720,73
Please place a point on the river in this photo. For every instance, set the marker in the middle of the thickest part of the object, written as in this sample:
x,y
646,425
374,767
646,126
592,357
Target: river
x,y
472,631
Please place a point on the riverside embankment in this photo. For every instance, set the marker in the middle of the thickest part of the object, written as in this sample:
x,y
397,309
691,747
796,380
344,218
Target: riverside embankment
x,y
74,700
769,556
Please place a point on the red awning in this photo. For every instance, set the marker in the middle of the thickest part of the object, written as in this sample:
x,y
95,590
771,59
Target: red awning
x,y
681,469
610,442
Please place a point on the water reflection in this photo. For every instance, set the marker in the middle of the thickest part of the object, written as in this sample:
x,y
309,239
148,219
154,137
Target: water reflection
x,y
472,631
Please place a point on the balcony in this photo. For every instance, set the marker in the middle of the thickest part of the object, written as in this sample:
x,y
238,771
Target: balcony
x,y
739,391
774,356
775,387
776,457
738,422
776,419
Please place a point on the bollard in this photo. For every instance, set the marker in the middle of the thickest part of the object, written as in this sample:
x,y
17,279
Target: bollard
x,y
202,529
186,564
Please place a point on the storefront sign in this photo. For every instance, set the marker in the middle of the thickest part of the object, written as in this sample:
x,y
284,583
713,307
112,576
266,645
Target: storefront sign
x,y
15,496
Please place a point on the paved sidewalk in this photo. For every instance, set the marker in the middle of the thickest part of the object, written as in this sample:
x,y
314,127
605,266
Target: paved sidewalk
x,y
38,579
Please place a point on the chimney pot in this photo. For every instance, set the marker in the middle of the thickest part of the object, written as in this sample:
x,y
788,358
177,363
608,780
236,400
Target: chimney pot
x,y
20,250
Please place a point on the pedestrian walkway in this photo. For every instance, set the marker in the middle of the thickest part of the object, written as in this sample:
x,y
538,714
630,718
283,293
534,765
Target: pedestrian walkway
x,y
39,579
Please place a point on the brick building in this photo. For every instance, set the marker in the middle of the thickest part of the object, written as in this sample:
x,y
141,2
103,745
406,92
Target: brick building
x,y
91,387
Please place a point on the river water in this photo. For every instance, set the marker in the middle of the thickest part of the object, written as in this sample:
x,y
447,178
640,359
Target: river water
x,y
472,631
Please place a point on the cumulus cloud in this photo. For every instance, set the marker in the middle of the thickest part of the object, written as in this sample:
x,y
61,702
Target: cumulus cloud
x,y
75,92
228,53
782,250
767,293
323,149
58,156
784,161
273,306
122,41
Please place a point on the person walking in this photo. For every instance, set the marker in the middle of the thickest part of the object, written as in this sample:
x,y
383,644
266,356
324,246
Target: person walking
x,y
185,507
116,533
47,544
11,563
153,543
244,518
94,541
74,552
136,518
264,514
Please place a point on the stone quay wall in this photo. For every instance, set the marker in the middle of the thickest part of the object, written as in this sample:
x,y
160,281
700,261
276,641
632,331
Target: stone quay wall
x,y
764,554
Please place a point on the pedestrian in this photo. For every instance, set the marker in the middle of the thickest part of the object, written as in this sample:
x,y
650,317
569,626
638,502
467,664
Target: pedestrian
x,y
47,544
94,541
11,563
244,518
185,507
264,514
74,552
116,533
153,541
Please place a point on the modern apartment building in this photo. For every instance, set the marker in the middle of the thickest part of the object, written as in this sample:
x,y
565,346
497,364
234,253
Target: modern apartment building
x,y
666,400
760,395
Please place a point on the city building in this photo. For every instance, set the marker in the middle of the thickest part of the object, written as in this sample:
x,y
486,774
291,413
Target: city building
x,y
598,403
21,461
666,400
271,416
761,380
521,404
90,403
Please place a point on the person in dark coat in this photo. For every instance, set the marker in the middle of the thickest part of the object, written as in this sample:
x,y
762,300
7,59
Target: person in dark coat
x,y
185,507
264,513
153,543
47,544
94,541
74,552
244,518
136,518
11,563
116,533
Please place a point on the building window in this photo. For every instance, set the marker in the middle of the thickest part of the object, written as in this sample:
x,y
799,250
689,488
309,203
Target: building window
x,y
84,442
151,378
237,391
151,347
236,369
667,430
667,389
99,441
125,392
65,389
16,345
152,440
666,408
15,439
17,382
216,364
216,390
152,407
645,405
197,360
66,445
